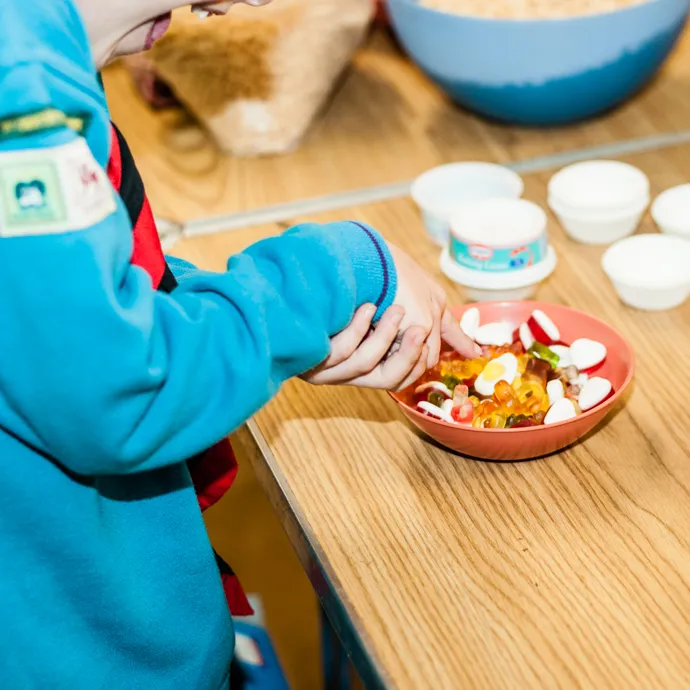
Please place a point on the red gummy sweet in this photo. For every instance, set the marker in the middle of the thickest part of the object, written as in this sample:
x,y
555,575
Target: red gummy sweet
x,y
525,423
463,414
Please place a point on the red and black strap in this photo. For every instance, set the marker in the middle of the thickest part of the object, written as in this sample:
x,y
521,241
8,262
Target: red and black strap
x,y
147,253
214,471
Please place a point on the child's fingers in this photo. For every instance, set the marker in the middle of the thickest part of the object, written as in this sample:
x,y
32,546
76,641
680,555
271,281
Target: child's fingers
x,y
396,371
368,356
348,340
418,370
434,342
373,350
452,334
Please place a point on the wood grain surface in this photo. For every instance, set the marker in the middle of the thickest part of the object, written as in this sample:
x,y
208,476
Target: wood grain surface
x,y
386,123
569,572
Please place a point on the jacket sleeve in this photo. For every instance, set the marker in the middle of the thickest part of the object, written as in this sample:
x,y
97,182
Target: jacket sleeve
x,y
180,268
108,376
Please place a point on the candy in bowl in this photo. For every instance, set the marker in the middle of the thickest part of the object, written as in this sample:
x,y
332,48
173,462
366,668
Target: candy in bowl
x,y
548,375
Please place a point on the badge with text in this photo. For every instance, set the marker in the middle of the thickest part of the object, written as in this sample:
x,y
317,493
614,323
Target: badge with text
x,y
41,121
53,190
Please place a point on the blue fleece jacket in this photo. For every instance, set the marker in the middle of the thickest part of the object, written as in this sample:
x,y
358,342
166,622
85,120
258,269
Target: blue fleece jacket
x,y
107,387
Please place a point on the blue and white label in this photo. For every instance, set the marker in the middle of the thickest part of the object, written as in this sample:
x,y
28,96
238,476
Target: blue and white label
x,y
480,257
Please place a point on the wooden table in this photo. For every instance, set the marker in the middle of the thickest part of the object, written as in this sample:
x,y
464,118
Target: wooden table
x,y
443,572
439,571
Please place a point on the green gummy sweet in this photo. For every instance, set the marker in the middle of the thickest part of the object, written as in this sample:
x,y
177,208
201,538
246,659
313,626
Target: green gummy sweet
x,y
545,354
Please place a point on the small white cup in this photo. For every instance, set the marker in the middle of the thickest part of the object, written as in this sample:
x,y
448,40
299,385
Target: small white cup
x,y
599,202
438,191
650,271
589,227
671,211
598,186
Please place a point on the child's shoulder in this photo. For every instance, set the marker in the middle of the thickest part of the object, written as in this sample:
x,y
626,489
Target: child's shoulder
x,y
45,32
47,72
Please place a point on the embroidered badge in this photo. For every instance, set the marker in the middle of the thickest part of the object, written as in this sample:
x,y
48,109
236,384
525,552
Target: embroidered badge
x,y
41,121
52,190
32,194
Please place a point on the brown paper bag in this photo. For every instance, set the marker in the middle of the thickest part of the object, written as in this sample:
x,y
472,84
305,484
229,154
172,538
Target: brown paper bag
x,y
257,78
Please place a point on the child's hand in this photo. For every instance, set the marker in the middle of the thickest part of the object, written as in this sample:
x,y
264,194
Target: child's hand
x,y
377,360
424,302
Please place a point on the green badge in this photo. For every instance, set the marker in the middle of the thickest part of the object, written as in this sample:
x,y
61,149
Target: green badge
x,y
41,121
31,195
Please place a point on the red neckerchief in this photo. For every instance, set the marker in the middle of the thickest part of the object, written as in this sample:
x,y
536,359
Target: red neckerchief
x,y
214,471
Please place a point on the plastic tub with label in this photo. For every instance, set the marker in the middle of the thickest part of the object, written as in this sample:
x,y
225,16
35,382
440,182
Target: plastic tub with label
x,y
499,249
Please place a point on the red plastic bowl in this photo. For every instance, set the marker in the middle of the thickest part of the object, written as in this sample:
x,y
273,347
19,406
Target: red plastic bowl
x,y
534,442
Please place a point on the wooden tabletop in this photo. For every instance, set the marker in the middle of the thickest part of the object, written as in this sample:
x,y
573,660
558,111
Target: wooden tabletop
x,y
439,571
385,124
573,571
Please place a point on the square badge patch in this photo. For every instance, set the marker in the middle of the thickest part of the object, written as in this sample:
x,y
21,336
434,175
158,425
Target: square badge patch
x,y
52,191
32,194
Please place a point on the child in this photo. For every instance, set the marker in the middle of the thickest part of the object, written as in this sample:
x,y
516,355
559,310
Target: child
x,y
108,386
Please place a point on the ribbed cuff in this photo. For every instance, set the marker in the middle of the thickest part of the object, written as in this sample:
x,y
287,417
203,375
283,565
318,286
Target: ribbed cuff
x,y
372,262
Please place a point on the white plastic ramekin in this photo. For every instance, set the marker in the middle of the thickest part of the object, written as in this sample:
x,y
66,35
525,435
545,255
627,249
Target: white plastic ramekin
x,y
650,271
438,191
599,202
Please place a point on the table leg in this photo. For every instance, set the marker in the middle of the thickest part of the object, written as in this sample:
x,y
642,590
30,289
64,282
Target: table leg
x,y
336,664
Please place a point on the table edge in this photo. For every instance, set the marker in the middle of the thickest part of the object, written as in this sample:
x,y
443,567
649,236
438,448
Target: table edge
x,y
346,623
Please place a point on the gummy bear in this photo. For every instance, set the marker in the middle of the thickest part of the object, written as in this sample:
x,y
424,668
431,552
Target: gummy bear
x,y
532,397
486,407
535,406
484,412
517,349
522,363
506,397
493,351
462,369
478,366
537,371
496,420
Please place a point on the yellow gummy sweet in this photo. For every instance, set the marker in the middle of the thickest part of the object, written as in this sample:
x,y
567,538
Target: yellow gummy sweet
x,y
497,421
463,369
529,390
522,363
478,366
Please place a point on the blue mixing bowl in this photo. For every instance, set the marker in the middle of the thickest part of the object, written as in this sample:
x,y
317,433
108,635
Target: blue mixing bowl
x,y
540,72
